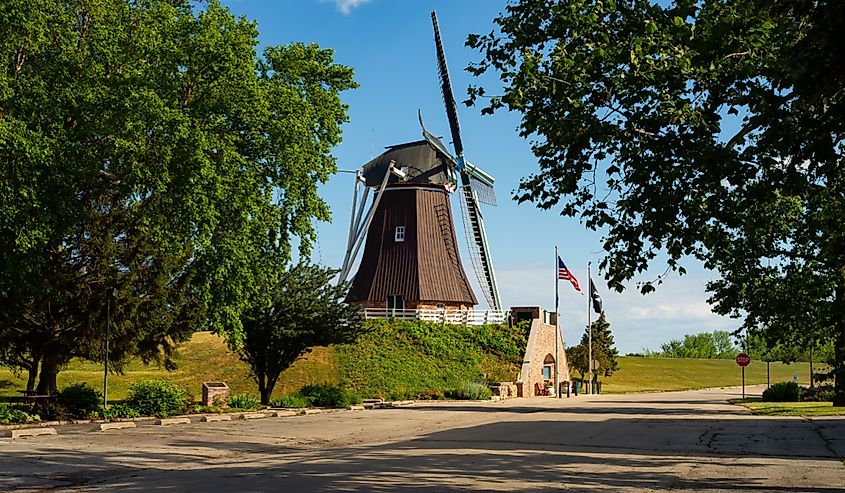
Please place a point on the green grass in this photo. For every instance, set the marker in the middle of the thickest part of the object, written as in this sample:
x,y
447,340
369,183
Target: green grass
x,y
664,374
790,408
205,358
404,359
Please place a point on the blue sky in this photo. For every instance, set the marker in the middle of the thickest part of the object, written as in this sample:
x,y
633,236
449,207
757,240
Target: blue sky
x,y
390,45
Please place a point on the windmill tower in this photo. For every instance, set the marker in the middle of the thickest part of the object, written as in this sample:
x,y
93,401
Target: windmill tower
x,y
410,260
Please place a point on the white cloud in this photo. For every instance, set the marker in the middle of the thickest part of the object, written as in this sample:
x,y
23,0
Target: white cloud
x,y
346,6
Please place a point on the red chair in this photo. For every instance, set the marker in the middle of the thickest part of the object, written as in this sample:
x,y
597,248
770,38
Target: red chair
x,y
540,389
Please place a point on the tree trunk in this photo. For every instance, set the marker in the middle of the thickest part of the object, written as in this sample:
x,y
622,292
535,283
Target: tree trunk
x,y
262,389
50,365
268,390
33,373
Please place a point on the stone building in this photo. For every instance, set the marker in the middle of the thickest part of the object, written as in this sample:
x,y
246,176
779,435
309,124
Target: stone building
x,y
538,364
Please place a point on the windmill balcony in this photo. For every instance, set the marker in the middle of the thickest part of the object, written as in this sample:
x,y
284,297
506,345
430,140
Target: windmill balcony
x,y
456,317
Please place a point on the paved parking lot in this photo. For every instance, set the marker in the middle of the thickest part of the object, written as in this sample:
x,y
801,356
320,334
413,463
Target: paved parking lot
x,y
678,440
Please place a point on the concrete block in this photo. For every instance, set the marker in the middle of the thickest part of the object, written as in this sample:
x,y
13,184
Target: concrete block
x,y
215,417
285,413
173,421
28,432
117,425
313,411
403,403
251,415
372,401
355,407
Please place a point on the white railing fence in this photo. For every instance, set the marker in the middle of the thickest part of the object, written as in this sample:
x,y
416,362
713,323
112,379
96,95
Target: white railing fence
x,y
457,317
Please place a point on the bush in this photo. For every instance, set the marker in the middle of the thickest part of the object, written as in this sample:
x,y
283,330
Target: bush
x,y
782,392
244,401
431,395
158,398
119,411
80,400
819,393
12,415
291,400
471,391
52,411
327,395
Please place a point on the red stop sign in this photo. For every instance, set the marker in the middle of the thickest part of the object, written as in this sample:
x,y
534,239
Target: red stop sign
x,y
743,359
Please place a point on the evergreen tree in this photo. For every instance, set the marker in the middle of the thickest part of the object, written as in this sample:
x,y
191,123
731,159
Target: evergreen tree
x,y
604,350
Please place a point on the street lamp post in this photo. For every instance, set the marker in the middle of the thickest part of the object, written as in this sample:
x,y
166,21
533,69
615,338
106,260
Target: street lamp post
x,y
112,294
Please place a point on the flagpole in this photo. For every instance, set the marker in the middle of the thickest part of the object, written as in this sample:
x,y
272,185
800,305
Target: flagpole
x,y
557,327
590,329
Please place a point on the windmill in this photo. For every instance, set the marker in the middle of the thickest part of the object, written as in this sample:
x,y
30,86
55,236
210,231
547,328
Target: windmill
x,y
411,257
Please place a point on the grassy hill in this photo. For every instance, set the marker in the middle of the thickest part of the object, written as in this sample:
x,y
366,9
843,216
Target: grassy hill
x,y
397,360
406,359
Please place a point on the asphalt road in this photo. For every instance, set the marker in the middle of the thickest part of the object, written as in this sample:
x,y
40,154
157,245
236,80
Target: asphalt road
x,y
640,442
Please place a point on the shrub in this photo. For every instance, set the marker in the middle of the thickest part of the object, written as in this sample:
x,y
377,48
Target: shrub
x,y
291,400
471,391
327,395
12,415
119,411
158,398
52,411
244,401
782,392
80,400
431,395
200,409
819,393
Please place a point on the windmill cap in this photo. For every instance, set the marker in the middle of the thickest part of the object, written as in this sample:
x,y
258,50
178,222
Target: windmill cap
x,y
419,160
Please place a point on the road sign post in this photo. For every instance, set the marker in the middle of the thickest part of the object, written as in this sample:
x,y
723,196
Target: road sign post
x,y
743,360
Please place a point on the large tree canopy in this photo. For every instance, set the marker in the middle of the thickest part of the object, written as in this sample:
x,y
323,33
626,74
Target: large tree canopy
x,y
146,146
708,128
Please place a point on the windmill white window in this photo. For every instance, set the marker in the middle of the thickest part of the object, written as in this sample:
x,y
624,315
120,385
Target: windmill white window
x,y
399,235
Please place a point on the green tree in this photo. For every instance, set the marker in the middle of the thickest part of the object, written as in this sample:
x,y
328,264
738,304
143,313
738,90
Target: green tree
x,y
712,129
604,350
304,309
146,147
710,345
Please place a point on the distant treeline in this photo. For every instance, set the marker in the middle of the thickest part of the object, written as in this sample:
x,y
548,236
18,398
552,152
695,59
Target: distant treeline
x,y
721,344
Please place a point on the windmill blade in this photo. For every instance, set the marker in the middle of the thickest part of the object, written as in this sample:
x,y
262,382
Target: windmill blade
x,y
481,183
446,88
479,250
483,191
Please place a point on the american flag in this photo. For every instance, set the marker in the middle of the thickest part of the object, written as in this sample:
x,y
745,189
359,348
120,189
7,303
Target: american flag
x,y
563,273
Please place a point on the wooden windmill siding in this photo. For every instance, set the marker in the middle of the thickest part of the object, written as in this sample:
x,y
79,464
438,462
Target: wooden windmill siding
x,y
425,269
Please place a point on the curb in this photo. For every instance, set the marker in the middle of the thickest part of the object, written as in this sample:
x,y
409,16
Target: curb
x,y
117,425
282,414
215,417
251,416
28,432
173,421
